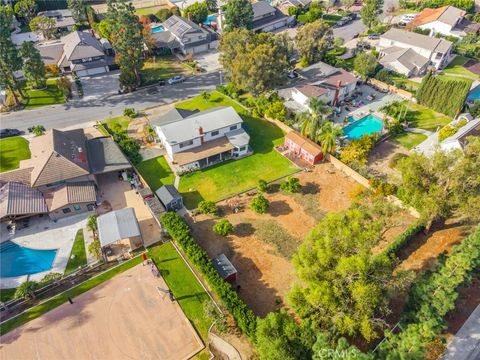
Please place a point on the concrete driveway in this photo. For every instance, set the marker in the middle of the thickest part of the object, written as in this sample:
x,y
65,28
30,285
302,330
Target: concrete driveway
x,y
348,31
209,60
99,86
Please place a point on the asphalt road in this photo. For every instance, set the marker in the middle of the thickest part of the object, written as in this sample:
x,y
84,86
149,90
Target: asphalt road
x,y
77,112
348,31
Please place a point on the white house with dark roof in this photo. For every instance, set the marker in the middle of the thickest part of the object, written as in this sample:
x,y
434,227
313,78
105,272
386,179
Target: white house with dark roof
x,y
267,18
438,51
63,18
404,61
199,139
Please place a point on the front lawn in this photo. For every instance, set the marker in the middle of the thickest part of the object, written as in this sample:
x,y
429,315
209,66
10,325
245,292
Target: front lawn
x,y
49,96
78,252
235,176
426,118
188,292
12,150
456,67
409,140
121,120
156,172
152,10
161,68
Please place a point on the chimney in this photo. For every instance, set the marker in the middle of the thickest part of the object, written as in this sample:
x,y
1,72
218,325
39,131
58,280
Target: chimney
x,y
337,93
81,155
200,132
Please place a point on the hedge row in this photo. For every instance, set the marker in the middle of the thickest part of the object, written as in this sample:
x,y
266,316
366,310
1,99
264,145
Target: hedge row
x,y
180,232
401,240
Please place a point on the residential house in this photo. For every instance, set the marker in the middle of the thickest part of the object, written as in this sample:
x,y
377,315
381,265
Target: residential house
x,y
304,4
178,34
60,177
302,147
460,139
438,51
326,82
267,18
170,198
404,61
195,139
63,18
446,20
79,52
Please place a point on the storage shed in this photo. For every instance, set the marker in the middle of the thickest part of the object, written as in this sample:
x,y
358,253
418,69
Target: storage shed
x,y
225,268
170,198
303,147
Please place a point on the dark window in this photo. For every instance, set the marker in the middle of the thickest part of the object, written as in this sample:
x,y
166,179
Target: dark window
x,y
233,127
66,210
185,143
242,148
215,133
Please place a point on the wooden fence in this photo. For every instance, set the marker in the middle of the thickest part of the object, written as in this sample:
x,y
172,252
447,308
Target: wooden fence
x,y
383,86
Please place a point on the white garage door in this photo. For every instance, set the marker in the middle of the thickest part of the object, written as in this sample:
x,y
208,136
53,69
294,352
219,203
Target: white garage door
x,y
94,71
200,48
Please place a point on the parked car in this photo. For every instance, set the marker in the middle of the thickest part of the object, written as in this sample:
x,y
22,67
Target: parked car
x,y
407,18
292,75
4,133
374,36
176,79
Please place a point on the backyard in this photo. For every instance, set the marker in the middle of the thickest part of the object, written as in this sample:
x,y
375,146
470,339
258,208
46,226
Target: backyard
x,y
12,150
409,140
162,68
456,68
49,96
156,172
78,255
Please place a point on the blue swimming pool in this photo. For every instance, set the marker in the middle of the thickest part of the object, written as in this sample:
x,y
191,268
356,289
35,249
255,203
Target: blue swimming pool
x,y
157,29
367,125
16,260
474,94
210,19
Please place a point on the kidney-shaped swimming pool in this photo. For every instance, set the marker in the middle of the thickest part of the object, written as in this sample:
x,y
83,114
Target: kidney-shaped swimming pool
x,y
16,260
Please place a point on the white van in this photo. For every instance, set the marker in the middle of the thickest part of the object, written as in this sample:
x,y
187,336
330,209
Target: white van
x,y
408,18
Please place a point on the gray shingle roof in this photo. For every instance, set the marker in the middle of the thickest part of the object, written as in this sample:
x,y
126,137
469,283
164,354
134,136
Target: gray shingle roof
x,y
238,137
20,199
172,116
167,194
223,266
262,8
407,57
104,156
80,45
418,40
451,15
117,225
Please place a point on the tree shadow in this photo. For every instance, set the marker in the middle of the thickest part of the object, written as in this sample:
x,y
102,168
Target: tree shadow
x,y
244,229
279,207
310,188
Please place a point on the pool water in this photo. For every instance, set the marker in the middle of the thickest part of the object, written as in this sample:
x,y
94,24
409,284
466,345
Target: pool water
x,y
16,260
210,19
474,94
157,29
367,125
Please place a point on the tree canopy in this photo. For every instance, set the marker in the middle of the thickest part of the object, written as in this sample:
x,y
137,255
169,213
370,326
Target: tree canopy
x,y
365,64
238,14
78,10
313,40
44,25
197,12
33,67
26,9
370,11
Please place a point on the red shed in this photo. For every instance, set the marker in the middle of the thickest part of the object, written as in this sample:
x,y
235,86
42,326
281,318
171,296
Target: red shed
x,y
303,147
225,268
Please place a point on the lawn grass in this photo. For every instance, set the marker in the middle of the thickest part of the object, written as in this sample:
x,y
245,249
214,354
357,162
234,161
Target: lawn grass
x,y
121,120
12,150
235,176
426,118
149,10
156,172
49,96
409,140
7,294
188,292
78,249
410,84
456,67
161,68
58,300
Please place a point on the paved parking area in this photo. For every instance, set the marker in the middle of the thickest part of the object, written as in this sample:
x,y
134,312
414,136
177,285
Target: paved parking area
x,y
209,60
100,86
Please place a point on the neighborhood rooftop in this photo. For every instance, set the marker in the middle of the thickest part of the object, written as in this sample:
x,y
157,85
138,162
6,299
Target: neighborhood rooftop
x,y
445,14
418,40
117,225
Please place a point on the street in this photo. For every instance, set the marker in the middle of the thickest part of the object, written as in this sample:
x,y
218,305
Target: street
x,y
76,112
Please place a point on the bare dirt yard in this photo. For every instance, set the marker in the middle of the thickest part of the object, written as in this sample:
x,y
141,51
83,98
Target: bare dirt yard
x,y
380,157
262,245
126,317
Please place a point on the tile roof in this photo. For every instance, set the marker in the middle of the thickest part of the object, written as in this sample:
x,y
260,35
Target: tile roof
x,y
69,194
20,199
446,14
311,90
341,75
418,40
306,144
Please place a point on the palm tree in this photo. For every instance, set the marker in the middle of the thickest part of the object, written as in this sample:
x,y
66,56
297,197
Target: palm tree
x,y
328,136
26,290
311,121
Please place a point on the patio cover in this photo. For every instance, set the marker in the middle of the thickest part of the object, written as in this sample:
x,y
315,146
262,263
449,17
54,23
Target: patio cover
x,y
117,225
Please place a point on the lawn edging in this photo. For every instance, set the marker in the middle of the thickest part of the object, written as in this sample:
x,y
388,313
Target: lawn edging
x,y
180,232
59,299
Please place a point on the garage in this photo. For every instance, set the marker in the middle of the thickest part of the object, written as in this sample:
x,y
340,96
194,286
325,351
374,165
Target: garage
x,y
94,71
196,49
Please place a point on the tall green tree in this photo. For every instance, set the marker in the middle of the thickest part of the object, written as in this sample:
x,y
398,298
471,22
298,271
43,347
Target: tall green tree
x,y
33,67
370,11
311,121
238,14
212,5
127,41
328,135
9,58
365,64
78,9
313,40
26,9
44,25
197,12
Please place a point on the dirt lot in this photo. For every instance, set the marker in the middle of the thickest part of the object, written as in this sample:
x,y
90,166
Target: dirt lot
x,y
264,274
380,157
468,300
124,318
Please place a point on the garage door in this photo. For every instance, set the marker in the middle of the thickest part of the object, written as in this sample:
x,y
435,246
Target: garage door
x,y
94,71
200,48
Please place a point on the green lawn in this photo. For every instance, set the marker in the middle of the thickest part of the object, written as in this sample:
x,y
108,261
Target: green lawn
x,y
123,121
410,84
78,250
187,290
148,10
156,172
232,177
426,118
456,67
161,68
12,150
6,294
49,96
409,140
58,300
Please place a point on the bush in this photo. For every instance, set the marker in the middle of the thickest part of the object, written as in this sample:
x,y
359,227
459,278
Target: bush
x,y
50,277
130,112
26,290
223,227
291,185
38,130
129,146
259,204
52,70
381,187
262,185
207,207
180,232
294,11
65,85
163,14
395,159
401,240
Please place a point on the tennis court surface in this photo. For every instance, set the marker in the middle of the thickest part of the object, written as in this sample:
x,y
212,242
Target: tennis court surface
x,y
126,317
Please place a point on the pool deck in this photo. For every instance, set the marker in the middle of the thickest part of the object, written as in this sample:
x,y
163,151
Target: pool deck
x,y
44,234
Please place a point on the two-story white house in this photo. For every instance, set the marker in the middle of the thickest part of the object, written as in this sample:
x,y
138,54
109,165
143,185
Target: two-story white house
x,y
326,82
437,51
267,18
446,20
195,139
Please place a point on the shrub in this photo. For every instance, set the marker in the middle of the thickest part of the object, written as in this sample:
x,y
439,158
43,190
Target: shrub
x,y
26,290
262,185
180,232
163,14
95,249
65,85
395,159
130,112
291,185
401,240
38,130
381,187
50,277
207,207
294,11
52,70
223,227
357,192
446,132
259,204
